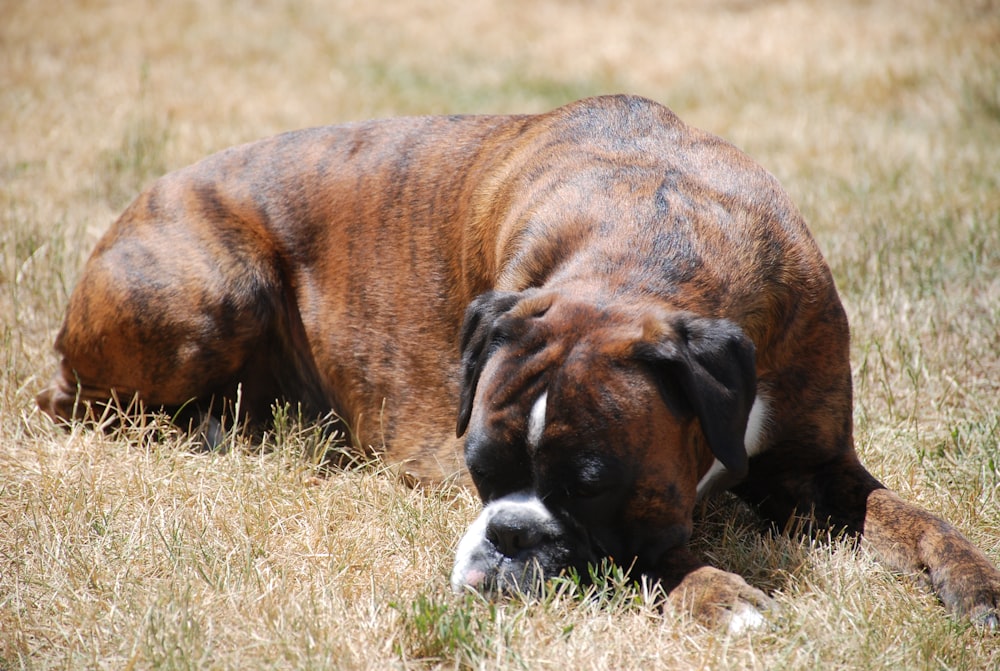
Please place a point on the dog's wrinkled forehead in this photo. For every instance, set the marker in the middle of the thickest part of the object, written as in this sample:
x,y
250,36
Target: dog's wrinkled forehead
x,y
571,352
526,349
517,346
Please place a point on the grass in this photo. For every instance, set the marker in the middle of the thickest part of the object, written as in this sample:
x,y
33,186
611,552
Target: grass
x,y
134,551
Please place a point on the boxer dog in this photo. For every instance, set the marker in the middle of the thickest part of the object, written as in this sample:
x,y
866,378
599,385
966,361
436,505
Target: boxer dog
x,y
624,313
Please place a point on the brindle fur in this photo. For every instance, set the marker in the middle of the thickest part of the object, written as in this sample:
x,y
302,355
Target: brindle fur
x,y
332,267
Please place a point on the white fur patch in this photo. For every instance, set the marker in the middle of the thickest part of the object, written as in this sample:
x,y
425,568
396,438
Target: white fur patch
x,y
536,421
463,574
753,441
744,618
716,472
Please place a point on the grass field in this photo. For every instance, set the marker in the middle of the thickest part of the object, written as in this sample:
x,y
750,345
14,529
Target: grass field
x,y
133,551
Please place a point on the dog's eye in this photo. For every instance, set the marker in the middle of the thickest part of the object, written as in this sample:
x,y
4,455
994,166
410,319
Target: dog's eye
x,y
594,476
587,490
581,491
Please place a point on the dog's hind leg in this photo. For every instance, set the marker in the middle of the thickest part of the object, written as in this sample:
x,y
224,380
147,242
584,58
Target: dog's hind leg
x,y
181,301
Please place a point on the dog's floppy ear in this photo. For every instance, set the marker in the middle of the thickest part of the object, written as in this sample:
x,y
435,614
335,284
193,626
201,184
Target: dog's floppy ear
x,y
706,366
479,339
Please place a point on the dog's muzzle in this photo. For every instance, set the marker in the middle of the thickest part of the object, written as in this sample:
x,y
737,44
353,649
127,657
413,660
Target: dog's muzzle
x,y
514,546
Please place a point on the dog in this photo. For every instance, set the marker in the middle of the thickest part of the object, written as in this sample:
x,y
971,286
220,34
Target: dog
x,y
624,313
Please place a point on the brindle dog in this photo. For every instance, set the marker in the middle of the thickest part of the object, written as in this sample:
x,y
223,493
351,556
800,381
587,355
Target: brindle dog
x,y
646,319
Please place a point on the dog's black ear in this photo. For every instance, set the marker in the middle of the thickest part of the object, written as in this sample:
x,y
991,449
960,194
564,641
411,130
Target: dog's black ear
x,y
480,337
707,366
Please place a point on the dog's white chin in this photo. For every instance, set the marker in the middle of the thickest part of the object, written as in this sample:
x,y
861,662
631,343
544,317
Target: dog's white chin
x,y
466,574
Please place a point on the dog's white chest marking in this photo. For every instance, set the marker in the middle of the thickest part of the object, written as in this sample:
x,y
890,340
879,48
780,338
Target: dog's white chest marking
x,y
753,441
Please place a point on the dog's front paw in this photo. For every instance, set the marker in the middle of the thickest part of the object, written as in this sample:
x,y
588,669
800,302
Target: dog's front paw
x,y
721,600
968,584
986,617
912,540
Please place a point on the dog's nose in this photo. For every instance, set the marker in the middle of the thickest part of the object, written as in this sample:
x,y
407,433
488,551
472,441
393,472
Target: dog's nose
x,y
512,532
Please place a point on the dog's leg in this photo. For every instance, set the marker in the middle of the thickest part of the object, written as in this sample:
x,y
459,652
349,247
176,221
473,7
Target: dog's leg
x,y
715,598
807,467
183,306
913,540
842,495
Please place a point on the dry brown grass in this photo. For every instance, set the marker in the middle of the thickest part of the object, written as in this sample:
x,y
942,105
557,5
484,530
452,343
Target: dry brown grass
x,y
881,118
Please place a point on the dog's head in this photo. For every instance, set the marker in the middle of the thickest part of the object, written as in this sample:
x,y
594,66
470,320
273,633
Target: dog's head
x,y
588,428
